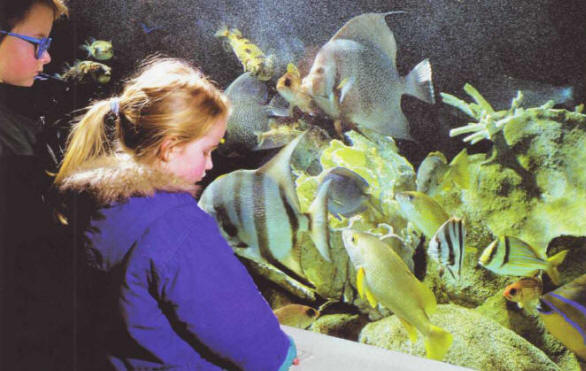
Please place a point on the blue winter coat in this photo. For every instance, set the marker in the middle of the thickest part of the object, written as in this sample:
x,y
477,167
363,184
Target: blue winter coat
x,y
172,292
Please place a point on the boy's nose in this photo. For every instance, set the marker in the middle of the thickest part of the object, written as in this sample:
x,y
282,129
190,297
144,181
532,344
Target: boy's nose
x,y
46,57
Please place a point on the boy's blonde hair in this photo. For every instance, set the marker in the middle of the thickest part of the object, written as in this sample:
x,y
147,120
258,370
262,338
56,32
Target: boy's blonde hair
x,y
167,98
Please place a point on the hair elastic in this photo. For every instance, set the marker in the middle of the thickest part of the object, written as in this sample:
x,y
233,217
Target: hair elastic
x,y
115,106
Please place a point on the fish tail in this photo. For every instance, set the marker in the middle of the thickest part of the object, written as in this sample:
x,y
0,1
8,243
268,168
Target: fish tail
x,y
437,342
418,82
318,212
554,261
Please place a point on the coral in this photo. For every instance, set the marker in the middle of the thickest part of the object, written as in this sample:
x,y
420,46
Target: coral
x,y
541,149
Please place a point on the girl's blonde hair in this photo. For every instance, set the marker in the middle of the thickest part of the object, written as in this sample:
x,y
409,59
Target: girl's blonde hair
x,y
167,98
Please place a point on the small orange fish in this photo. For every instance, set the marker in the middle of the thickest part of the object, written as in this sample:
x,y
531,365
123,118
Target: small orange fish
x,y
296,315
525,291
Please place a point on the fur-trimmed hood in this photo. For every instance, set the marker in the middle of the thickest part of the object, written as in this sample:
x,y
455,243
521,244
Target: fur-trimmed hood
x,y
117,177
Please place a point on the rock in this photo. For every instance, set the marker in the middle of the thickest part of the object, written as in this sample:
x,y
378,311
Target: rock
x,y
479,342
346,326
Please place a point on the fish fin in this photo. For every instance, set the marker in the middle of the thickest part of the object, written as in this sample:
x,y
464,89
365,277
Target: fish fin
x,y
370,29
328,104
278,168
360,282
292,69
520,304
458,170
370,297
344,86
554,261
411,330
278,106
437,342
318,212
246,85
418,82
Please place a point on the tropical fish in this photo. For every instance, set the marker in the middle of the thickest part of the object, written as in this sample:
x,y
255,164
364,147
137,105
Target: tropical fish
x,y
431,172
398,245
525,292
458,171
511,256
250,115
354,78
423,211
383,278
83,71
259,213
296,315
277,136
447,245
347,195
253,60
147,30
500,90
101,50
563,312
289,87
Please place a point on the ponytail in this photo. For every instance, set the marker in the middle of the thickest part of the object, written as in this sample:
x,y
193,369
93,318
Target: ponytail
x,y
89,139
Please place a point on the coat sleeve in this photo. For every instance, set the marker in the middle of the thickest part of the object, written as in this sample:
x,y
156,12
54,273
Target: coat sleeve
x,y
214,302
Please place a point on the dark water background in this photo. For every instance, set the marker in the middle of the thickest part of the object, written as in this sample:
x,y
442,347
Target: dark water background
x,y
465,40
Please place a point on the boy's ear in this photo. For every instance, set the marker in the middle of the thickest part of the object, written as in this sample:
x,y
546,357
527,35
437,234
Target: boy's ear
x,y
168,148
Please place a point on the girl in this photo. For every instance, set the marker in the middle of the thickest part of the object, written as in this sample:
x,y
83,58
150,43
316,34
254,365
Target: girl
x,y
171,293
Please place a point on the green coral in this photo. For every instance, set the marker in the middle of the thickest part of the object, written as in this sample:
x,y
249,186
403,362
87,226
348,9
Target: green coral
x,y
543,144
386,172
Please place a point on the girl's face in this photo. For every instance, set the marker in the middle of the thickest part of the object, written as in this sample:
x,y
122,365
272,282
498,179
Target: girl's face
x,y
190,161
18,65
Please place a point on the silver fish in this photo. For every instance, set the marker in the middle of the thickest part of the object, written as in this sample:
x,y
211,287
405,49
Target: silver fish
x,y
512,256
347,195
250,115
354,78
499,91
447,245
431,172
258,211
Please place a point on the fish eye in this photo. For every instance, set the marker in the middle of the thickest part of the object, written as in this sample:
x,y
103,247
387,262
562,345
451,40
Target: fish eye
x,y
288,82
320,70
513,291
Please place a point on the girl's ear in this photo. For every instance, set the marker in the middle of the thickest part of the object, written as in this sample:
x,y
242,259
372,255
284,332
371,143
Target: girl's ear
x,y
168,149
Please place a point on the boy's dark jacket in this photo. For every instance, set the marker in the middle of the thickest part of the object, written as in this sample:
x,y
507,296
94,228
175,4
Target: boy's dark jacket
x,y
171,291
36,273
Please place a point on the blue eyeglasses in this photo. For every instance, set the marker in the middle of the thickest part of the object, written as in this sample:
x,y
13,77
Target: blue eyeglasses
x,y
42,45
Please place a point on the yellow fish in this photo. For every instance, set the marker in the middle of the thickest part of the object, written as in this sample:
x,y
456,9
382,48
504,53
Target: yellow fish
x,y
384,278
101,50
81,71
251,57
511,256
563,312
423,211
289,87
296,315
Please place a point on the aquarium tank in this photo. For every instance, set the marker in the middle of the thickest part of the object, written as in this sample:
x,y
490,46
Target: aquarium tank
x,y
423,161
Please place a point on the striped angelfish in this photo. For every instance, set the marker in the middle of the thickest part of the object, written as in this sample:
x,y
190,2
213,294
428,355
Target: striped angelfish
x,y
511,256
447,245
258,211
563,312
